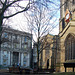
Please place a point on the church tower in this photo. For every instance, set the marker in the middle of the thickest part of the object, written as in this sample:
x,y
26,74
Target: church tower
x,y
64,5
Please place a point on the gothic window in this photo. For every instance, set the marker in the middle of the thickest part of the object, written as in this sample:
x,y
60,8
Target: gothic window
x,y
70,47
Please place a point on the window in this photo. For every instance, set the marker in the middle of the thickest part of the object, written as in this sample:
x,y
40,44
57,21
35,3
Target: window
x,y
69,47
25,46
16,45
16,37
9,36
5,35
5,44
22,38
25,39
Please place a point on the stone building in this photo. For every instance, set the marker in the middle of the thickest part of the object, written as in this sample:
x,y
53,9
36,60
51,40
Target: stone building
x,y
67,34
45,57
15,48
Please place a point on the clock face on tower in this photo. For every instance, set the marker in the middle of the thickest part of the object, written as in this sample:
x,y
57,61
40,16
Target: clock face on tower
x,y
67,16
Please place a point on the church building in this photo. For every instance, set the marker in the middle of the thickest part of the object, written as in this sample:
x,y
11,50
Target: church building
x,y
67,36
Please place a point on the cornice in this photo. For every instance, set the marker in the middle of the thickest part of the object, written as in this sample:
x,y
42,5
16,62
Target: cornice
x,y
17,32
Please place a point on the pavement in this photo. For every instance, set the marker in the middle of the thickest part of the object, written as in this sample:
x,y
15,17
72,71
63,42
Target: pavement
x,y
6,72
22,74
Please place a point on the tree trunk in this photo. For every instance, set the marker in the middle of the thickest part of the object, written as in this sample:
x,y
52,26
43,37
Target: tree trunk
x,y
1,21
38,46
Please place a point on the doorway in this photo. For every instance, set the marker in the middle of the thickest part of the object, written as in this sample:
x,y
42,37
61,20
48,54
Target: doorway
x,y
15,58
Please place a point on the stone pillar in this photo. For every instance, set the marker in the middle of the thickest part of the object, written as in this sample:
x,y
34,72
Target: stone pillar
x,y
20,41
11,58
22,59
28,60
1,57
8,58
19,58
12,40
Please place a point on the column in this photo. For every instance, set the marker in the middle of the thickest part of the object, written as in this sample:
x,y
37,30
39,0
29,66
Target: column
x,y
1,57
20,42
28,58
22,59
19,58
8,58
11,58
12,40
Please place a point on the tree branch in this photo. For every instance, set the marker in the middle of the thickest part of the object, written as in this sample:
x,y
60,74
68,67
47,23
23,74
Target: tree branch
x,y
1,2
17,13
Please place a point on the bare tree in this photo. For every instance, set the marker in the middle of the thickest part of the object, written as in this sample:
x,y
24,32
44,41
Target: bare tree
x,y
7,6
10,8
39,20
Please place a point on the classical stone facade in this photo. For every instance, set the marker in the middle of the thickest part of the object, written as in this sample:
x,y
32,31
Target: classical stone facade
x,y
45,57
66,34
15,48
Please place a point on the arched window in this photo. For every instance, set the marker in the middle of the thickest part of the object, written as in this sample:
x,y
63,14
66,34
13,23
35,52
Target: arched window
x,y
70,47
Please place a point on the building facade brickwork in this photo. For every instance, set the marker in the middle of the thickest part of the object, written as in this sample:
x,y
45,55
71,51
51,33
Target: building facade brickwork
x,y
45,57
